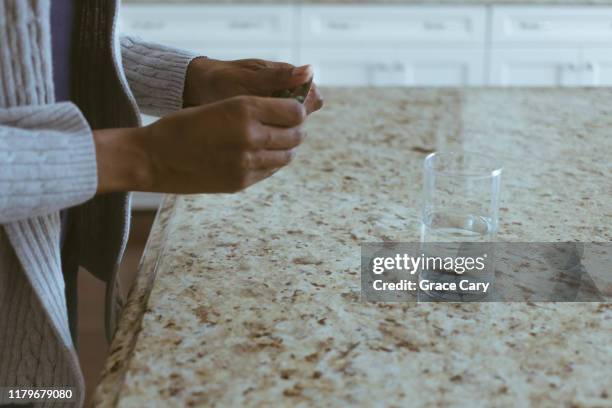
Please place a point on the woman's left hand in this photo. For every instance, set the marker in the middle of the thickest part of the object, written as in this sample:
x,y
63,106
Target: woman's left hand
x,y
210,80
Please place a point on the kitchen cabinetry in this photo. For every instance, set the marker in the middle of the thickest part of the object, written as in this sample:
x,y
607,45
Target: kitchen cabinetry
x,y
411,45
410,67
596,67
550,46
553,26
394,45
217,31
528,67
375,25
551,67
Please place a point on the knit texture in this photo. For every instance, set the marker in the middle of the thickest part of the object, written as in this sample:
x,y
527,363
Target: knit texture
x,y
47,158
47,163
156,74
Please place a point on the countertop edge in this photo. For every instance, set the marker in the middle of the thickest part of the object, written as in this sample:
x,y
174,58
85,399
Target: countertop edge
x,y
108,390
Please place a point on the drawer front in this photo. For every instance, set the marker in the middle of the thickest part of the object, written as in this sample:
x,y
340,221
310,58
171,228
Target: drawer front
x,y
326,25
407,67
227,24
535,67
546,25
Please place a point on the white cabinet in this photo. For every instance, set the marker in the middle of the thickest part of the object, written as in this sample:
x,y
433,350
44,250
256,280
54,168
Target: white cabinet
x,y
557,26
384,44
389,25
394,45
528,67
408,67
550,46
597,66
218,31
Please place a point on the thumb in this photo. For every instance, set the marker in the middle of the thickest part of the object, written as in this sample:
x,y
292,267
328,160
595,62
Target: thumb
x,y
282,76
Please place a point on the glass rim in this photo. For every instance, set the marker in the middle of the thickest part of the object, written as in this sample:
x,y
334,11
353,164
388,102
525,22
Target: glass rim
x,y
493,165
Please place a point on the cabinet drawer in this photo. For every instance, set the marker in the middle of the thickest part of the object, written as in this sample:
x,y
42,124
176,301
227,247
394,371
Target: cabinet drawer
x,y
393,67
381,24
223,24
546,25
531,67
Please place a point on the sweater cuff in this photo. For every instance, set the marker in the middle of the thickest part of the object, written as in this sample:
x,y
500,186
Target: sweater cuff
x,y
156,74
47,160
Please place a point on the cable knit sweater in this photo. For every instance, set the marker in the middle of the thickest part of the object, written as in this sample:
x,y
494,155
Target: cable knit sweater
x,y
47,163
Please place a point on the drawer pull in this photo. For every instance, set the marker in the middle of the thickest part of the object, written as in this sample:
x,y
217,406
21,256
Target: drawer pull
x,y
244,25
148,25
339,25
381,66
434,25
530,25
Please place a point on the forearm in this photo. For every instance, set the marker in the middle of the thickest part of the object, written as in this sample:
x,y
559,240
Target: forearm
x,y
122,160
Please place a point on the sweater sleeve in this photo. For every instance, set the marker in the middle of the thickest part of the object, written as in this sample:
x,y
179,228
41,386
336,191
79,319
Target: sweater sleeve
x,y
47,160
156,74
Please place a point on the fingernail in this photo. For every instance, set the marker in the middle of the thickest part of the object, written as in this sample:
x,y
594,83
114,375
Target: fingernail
x,y
299,71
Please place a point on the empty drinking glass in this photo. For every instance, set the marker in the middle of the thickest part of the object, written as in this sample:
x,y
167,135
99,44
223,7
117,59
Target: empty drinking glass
x,y
460,214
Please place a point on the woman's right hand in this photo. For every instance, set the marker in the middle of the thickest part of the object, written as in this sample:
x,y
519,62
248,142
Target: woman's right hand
x,y
217,148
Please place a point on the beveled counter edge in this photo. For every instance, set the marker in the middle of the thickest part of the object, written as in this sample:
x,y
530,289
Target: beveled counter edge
x,y
108,389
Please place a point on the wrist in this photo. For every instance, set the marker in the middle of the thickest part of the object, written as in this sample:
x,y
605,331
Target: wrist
x,y
122,160
197,79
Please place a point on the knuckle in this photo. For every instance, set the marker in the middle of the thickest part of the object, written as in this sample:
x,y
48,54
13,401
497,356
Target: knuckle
x,y
267,137
320,102
242,105
245,161
250,138
298,112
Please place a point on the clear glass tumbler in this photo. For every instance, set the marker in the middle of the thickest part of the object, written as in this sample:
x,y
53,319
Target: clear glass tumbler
x,y
460,197
460,216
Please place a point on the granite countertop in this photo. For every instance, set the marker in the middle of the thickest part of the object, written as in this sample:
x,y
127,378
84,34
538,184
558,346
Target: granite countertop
x,y
396,2
253,299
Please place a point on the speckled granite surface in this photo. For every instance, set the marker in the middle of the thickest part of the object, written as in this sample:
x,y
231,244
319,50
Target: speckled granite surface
x,y
256,300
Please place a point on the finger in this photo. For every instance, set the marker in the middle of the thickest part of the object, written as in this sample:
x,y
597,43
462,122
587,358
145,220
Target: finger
x,y
279,112
259,175
277,138
278,76
314,100
269,159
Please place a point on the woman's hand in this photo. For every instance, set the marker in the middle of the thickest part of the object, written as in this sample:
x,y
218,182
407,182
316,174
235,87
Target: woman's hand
x,y
210,80
221,147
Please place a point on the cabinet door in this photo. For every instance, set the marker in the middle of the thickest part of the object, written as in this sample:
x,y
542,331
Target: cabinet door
x,y
597,67
529,67
410,67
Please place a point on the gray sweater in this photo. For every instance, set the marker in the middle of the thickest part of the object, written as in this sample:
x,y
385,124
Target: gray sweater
x,y
48,163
